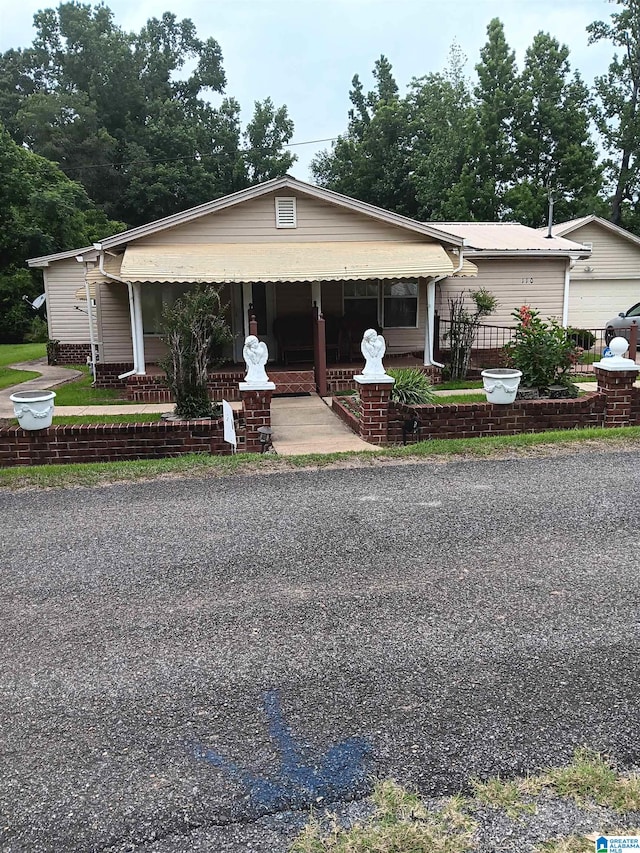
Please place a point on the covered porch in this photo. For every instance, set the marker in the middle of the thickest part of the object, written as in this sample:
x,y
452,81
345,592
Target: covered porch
x,y
310,303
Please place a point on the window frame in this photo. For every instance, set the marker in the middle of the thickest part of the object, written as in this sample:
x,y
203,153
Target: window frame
x,y
384,297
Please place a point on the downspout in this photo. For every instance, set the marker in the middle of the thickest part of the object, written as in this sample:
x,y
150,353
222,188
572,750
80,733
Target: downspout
x,y
92,338
571,262
431,305
132,315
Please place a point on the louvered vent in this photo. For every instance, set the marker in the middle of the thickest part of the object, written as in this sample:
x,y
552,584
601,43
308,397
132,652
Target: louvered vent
x,y
286,213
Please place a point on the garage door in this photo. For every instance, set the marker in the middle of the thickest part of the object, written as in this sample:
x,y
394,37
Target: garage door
x,y
593,303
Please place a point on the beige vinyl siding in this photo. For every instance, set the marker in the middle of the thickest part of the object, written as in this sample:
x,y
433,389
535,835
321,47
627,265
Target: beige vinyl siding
x,y
538,282
611,255
593,303
254,222
66,314
115,325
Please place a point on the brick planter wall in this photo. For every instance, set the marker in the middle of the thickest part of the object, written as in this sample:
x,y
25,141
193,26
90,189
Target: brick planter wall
x,y
337,406
474,420
635,406
114,442
72,354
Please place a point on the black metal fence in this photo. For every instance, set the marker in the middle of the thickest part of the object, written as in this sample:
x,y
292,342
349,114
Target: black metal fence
x,y
490,341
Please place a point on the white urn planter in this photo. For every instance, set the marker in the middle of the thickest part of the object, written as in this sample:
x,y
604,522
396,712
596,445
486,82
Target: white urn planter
x,y
501,384
33,409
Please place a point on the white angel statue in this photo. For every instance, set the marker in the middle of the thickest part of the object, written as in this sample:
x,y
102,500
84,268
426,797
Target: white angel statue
x,y
255,354
373,348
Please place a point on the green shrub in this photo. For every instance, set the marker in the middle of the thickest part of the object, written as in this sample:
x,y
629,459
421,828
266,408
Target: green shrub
x,y
412,387
582,338
37,332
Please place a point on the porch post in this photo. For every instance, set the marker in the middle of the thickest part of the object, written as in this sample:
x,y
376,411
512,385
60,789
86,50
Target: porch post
x,y
253,323
138,340
319,351
247,297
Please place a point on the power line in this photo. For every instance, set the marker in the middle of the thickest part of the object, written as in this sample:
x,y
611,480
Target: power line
x,y
241,151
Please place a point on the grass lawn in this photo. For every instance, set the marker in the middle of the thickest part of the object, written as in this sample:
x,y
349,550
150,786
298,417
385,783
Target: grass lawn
x,y
9,376
67,420
459,398
79,392
402,821
457,384
13,354
95,473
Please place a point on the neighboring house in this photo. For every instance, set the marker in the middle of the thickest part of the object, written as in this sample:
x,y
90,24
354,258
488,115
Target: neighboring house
x,y
608,281
283,246
519,265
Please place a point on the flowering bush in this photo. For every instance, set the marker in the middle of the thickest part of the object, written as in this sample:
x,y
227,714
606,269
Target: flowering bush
x,y
544,352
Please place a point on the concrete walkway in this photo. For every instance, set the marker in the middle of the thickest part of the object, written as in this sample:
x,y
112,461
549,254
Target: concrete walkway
x,y
307,425
50,376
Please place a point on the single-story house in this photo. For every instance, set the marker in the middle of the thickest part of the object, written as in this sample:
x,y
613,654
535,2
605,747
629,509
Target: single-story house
x,y
277,250
608,281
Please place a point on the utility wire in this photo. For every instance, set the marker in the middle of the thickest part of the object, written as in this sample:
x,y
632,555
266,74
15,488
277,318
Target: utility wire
x,y
241,151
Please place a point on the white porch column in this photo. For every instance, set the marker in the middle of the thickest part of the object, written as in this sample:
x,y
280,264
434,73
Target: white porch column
x,y
316,294
247,299
429,322
138,340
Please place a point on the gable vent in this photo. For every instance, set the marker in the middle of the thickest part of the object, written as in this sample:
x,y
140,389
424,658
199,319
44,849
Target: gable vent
x,y
286,212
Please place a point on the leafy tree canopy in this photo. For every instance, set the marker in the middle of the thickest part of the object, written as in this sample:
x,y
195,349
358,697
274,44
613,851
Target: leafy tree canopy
x,y
42,211
117,112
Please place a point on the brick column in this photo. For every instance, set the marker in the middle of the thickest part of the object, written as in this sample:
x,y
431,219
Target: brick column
x,y
256,406
617,387
374,409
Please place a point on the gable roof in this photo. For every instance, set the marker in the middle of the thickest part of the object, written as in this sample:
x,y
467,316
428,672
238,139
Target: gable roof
x,y
511,237
573,224
287,182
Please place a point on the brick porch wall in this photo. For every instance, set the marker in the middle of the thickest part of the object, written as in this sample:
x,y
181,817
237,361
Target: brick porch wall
x,y
72,354
115,442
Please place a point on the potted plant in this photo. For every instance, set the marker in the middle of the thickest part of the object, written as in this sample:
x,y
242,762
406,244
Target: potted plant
x,y
33,409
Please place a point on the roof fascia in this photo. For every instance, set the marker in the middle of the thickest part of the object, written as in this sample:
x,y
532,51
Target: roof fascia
x,y
45,260
579,252
609,226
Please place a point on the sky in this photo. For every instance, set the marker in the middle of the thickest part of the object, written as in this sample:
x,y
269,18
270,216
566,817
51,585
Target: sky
x,y
304,53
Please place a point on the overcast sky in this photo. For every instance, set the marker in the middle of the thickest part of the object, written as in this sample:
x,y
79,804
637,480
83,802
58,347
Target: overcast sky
x,y
303,53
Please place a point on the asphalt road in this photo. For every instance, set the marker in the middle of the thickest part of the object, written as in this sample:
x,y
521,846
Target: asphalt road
x,y
187,665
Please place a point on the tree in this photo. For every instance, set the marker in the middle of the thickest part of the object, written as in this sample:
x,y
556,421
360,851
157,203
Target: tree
x,y
267,134
116,112
41,212
371,161
196,332
442,122
553,145
489,171
618,112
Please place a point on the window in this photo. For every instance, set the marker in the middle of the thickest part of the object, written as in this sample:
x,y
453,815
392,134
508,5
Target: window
x,y
286,212
400,304
361,302
154,299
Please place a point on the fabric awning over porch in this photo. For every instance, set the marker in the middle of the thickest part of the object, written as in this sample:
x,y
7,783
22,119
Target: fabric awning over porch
x,y
272,262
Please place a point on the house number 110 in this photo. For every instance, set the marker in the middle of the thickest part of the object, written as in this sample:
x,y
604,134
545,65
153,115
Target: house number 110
x,y
527,280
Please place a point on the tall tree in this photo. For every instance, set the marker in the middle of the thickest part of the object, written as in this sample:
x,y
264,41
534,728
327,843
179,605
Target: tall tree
x,y
116,111
370,161
41,211
554,149
618,110
442,123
